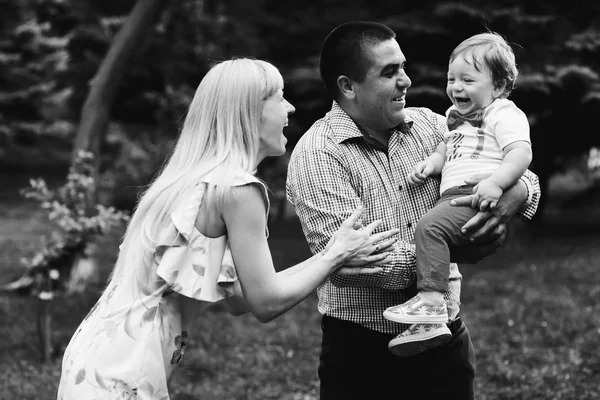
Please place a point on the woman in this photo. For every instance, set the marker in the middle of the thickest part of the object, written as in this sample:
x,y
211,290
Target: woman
x,y
199,236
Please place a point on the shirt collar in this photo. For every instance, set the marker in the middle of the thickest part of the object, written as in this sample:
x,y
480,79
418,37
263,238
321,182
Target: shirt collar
x,y
345,128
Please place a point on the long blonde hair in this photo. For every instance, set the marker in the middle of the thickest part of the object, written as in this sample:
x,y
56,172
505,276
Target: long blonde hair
x,y
221,130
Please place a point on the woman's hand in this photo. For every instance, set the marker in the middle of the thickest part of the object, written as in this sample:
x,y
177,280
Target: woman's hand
x,y
353,246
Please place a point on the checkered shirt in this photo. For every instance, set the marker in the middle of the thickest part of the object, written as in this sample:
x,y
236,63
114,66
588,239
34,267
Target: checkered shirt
x,y
334,169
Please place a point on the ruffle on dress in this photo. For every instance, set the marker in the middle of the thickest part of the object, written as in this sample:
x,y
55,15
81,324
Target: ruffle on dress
x,y
192,264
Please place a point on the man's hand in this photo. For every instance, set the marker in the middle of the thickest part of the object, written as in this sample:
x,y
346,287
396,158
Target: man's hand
x,y
488,226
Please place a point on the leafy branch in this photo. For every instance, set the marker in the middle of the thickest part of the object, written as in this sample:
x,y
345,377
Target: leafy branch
x,y
67,209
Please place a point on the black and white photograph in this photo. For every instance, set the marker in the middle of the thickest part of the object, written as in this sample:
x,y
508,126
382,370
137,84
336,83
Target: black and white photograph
x,y
299,200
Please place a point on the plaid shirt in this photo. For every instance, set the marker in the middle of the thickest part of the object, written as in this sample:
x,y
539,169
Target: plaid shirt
x,y
334,169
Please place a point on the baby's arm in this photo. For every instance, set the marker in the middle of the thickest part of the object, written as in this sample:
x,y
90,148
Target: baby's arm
x,y
517,157
432,165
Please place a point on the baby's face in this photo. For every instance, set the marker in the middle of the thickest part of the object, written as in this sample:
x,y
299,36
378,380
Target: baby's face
x,y
470,88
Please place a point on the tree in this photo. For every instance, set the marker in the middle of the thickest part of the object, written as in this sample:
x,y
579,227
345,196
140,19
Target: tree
x,y
563,107
95,114
32,55
52,49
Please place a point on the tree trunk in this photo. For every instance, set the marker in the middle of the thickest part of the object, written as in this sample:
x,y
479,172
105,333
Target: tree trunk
x,y
44,316
95,116
44,326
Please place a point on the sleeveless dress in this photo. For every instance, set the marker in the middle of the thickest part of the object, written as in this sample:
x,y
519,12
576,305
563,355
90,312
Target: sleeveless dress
x,y
130,343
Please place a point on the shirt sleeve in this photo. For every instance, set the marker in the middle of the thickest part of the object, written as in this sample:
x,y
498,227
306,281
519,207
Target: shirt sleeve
x,y
510,125
534,193
319,186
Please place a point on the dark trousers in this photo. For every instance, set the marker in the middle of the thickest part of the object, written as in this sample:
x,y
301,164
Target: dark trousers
x,y
356,364
436,234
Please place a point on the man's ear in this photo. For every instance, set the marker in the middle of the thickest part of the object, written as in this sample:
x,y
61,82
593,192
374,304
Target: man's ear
x,y
346,87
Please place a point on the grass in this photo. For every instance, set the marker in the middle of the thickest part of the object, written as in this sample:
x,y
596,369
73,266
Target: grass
x,y
533,314
532,310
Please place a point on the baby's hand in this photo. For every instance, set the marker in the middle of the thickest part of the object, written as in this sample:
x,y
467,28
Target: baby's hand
x,y
487,194
420,172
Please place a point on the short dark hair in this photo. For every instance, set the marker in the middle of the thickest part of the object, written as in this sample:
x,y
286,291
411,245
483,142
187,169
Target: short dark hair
x,y
345,51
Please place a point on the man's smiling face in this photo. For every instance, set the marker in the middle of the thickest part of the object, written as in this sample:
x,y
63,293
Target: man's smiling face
x,y
381,95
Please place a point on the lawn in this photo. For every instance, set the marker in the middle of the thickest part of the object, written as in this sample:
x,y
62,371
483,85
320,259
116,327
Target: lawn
x,y
532,310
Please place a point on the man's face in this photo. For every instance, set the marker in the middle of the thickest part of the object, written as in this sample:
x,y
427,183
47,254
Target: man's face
x,y
381,96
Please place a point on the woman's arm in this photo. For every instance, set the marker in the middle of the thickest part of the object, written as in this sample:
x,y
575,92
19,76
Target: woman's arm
x,y
269,294
237,305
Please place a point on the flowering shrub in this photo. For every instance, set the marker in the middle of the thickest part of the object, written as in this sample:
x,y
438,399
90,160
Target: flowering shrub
x,y
594,159
68,208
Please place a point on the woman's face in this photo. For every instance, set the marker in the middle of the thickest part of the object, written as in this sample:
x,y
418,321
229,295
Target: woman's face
x,y
274,117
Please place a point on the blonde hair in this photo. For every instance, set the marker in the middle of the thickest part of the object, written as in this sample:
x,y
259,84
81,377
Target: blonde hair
x,y
220,131
491,51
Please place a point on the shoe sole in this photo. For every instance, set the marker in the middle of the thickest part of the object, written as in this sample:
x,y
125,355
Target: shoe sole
x,y
416,319
406,347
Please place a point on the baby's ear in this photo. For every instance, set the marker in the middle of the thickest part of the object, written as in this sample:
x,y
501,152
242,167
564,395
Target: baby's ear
x,y
499,89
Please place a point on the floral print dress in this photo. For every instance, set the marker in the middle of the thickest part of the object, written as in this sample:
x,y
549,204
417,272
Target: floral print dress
x,y
130,343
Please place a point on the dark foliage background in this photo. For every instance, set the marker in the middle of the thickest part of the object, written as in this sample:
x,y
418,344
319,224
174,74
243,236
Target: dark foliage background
x,y
51,49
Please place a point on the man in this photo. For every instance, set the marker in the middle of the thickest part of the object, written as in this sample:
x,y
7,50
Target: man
x,y
360,153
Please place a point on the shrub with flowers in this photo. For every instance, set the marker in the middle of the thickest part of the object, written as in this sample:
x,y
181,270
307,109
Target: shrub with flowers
x,y
68,208
594,159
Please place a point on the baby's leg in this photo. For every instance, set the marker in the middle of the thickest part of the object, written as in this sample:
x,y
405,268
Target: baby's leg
x,y
435,235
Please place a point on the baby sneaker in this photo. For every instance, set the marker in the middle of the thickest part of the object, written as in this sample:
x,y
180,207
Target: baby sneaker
x,y
418,311
419,338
